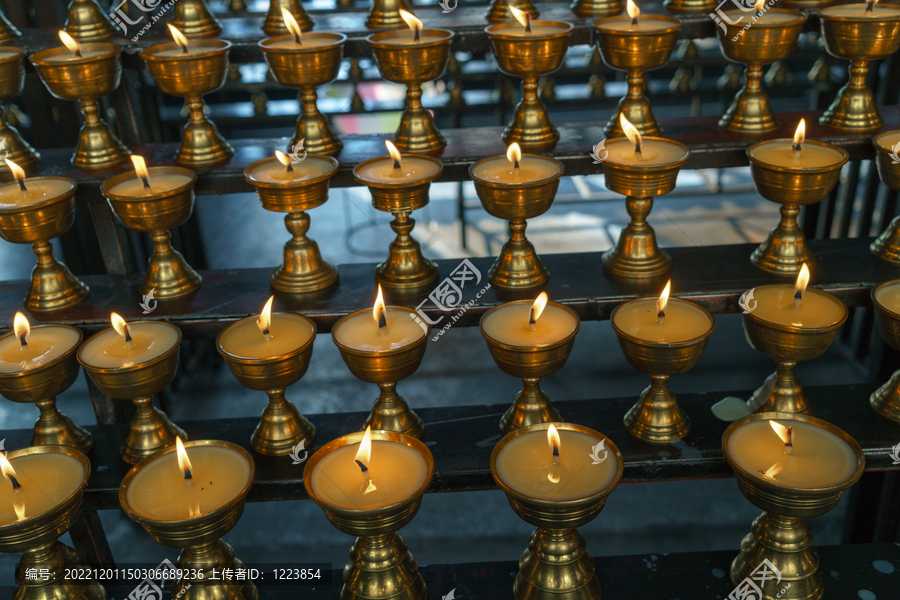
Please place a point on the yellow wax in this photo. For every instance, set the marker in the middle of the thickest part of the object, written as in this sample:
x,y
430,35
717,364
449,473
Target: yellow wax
x,y
411,169
272,171
396,471
4,54
537,30
70,57
361,332
410,41
38,189
531,169
889,297
193,51
858,11
287,332
158,185
623,23
683,322
525,464
109,350
160,491
888,140
819,459
509,324
767,18
45,343
780,153
46,479
653,152
307,40
775,304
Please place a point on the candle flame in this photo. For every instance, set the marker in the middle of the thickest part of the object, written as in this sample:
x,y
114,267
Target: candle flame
x,y
538,307
514,152
631,132
800,133
290,22
21,326
283,158
663,299
774,470
184,463
632,9
119,324
17,171
519,15
7,469
392,150
802,279
140,166
69,42
553,440
783,432
378,309
364,454
411,20
179,37
19,507
759,5
265,317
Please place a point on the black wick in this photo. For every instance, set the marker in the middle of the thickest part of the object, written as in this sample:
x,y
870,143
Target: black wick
x,y
22,340
527,23
362,467
15,482
22,185
382,322
531,321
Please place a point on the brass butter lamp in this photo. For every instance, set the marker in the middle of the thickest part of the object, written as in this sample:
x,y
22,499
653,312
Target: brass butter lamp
x,y
860,33
406,270
529,55
155,210
635,49
85,72
8,31
791,184
597,8
41,385
767,41
887,145
303,270
780,534
413,58
498,10
53,286
150,430
307,67
516,200
275,22
87,22
691,6
385,14
12,82
886,399
190,69
556,563
194,19
37,538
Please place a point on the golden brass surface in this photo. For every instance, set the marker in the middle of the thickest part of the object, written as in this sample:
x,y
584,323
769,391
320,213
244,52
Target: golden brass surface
x,y
274,21
597,8
556,563
167,272
308,68
691,6
86,80
36,538
806,3
636,254
386,367
202,550
860,40
281,426
530,364
194,19
887,245
88,22
413,65
886,399
636,52
385,14
789,345
785,250
41,385
52,284
380,567
529,58
656,418
190,76
761,44
303,270
151,430
12,81
8,32
518,265
406,270
780,534
498,10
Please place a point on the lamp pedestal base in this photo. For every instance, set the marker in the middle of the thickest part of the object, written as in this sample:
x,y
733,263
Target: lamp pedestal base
x,y
391,413
656,417
52,284
531,406
281,427
379,563
518,265
886,399
556,565
151,430
56,559
54,428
